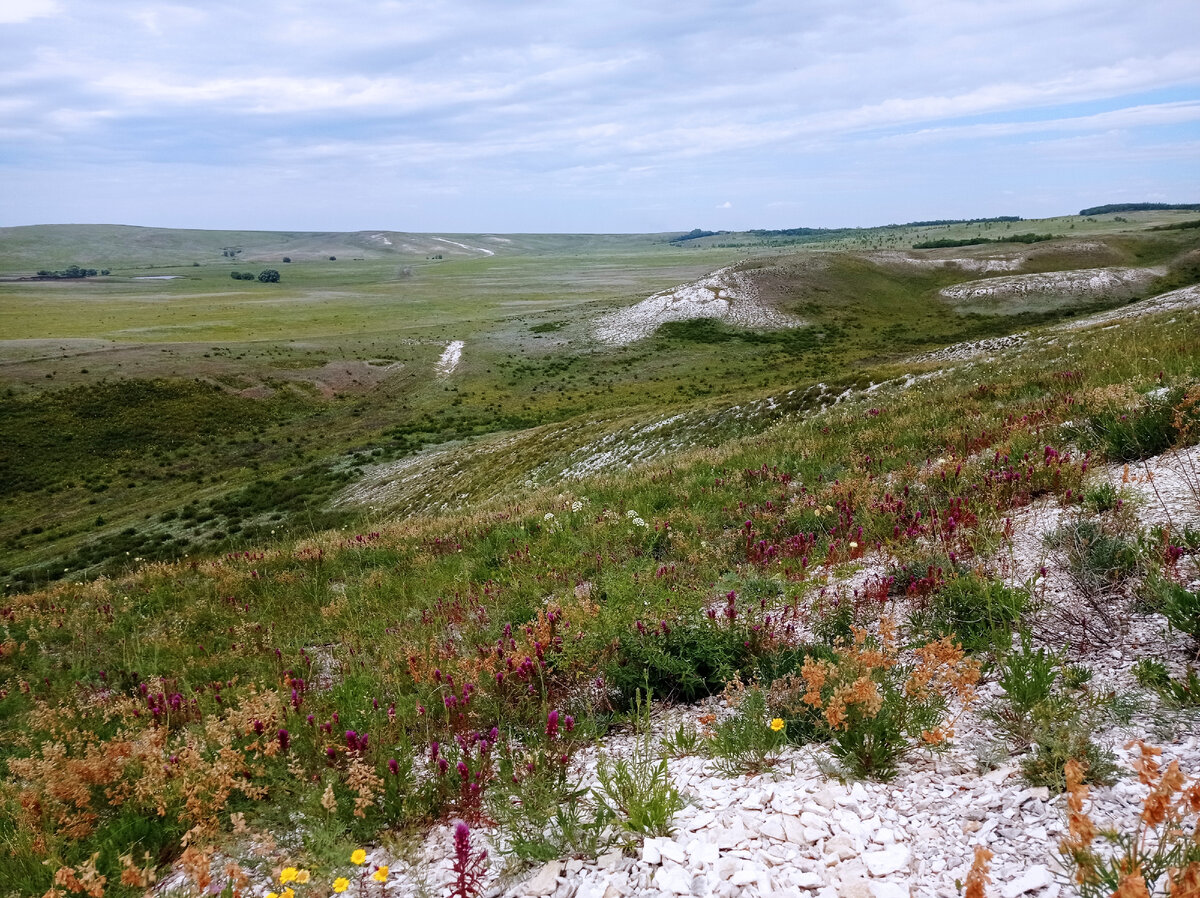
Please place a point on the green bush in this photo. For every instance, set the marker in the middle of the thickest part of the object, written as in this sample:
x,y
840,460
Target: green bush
x,y
1028,675
980,613
1137,433
1181,607
1178,692
683,663
1047,712
1096,558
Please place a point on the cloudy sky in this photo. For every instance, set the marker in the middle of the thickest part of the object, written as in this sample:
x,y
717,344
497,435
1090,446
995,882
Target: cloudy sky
x,y
500,115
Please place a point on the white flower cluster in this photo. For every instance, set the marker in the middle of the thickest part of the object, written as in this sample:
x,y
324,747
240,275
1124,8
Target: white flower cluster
x,y
552,523
636,519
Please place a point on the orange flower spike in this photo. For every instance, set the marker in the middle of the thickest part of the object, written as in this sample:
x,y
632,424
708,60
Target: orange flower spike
x,y
814,673
1185,883
1146,764
978,876
1132,885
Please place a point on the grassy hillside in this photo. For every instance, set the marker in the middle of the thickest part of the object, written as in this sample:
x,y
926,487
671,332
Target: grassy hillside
x,y
296,688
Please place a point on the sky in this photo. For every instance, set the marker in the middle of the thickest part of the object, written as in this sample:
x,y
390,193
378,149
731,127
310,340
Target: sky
x,y
475,116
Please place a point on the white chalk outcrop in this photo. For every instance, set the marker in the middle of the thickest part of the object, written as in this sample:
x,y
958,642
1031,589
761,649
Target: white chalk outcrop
x,y
726,295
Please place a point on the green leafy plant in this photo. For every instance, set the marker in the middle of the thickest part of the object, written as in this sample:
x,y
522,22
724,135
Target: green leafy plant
x,y
748,742
1047,713
1179,692
684,740
980,613
1028,675
541,813
1181,607
1102,497
1063,729
1144,430
636,791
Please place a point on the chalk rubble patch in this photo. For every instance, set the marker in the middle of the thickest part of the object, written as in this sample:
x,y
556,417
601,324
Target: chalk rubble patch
x,y
450,358
725,295
1079,282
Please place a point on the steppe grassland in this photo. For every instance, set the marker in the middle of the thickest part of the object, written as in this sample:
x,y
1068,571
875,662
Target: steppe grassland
x,y
334,368
375,632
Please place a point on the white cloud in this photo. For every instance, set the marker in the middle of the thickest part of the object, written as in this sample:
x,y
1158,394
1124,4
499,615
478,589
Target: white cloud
x,y
562,105
725,205
13,12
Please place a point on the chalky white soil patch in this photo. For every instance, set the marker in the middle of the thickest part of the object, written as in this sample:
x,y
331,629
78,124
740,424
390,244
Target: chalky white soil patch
x,y
725,295
1184,299
1081,282
898,258
478,249
450,358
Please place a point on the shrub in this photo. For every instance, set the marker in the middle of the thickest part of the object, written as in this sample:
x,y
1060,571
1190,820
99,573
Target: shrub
x,y
980,613
875,710
681,662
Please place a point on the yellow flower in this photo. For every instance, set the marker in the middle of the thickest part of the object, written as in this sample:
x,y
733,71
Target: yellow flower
x,y
288,893
777,724
302,876
359,857
272,895
380,875
288,875
339,885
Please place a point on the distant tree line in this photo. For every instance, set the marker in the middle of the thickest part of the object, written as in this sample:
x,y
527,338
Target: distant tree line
x,y
72,272
1140,207
695,234
975,241
267,276
790,232
954,221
